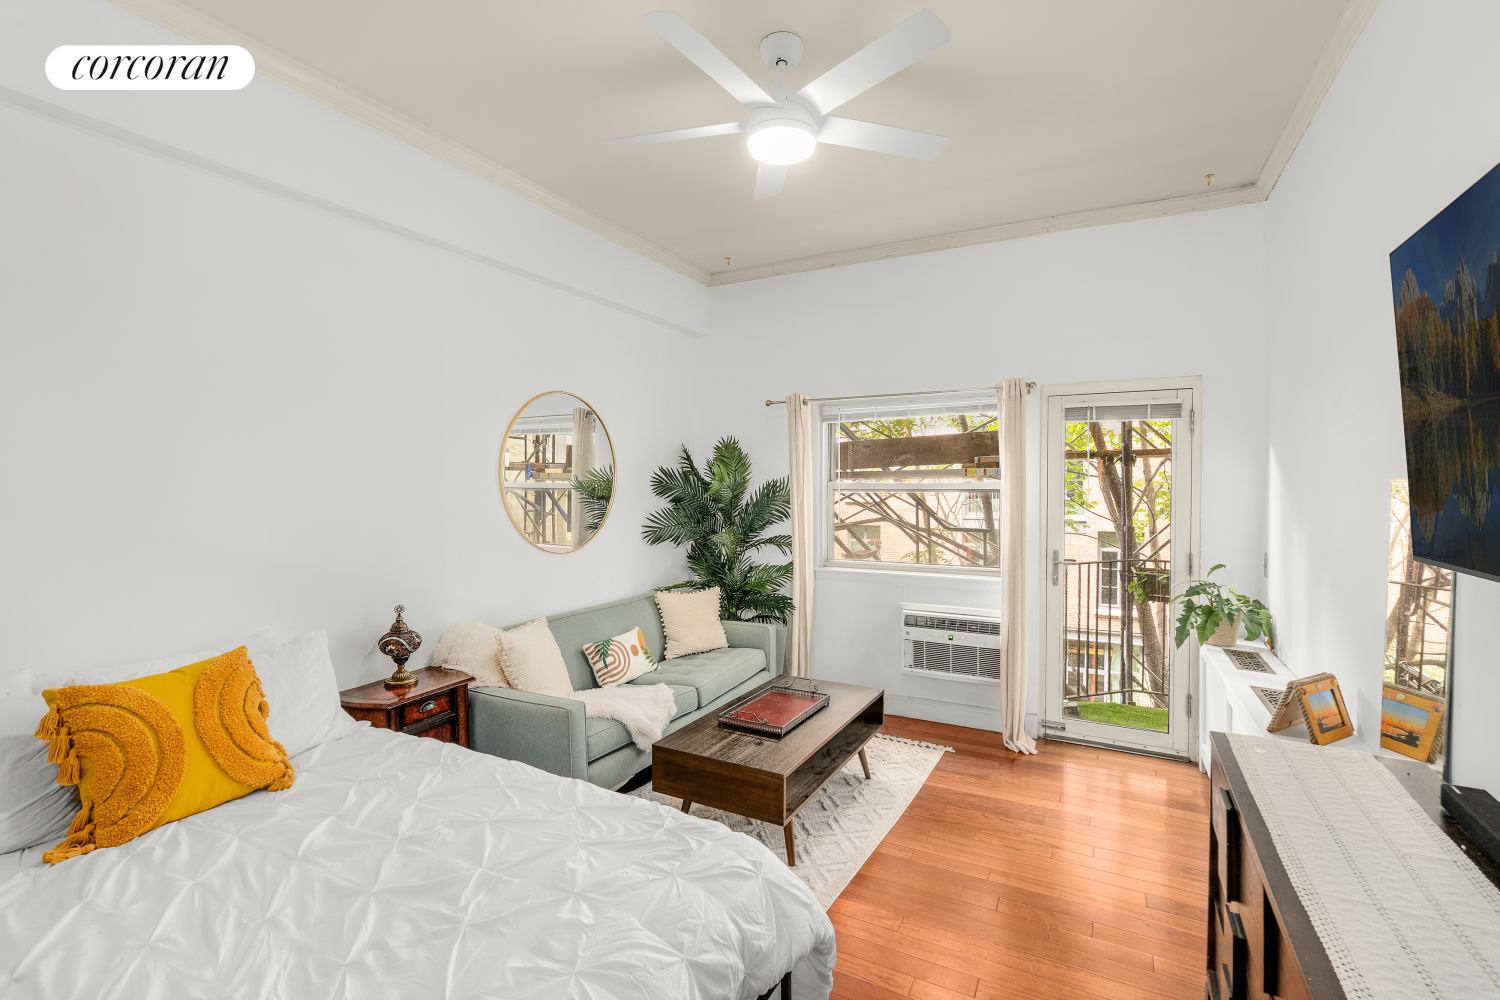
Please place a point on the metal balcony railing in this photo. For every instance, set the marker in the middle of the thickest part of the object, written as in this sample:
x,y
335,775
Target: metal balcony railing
x,y
1117,645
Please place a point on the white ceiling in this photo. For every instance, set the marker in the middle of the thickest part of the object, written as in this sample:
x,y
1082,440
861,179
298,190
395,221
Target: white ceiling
x,y
1053,109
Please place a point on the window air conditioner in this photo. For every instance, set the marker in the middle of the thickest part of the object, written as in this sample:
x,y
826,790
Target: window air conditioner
x,y
958,643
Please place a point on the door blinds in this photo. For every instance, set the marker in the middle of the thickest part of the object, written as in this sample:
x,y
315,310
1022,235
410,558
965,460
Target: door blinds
x,y
1123,411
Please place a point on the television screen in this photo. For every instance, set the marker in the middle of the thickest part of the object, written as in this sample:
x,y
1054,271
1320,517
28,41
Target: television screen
x,y
1445,282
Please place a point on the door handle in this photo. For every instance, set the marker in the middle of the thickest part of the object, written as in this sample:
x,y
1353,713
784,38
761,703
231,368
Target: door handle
x,y
1054,567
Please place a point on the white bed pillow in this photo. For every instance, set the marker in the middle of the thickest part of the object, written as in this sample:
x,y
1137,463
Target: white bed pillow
x,y
34,808
55,677
302,692
532,661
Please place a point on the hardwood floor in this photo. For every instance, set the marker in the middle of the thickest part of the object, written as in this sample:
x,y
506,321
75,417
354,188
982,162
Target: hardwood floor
x,y
1074,874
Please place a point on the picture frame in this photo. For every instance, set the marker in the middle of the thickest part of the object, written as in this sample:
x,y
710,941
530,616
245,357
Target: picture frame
x,y
1410,721
1322,705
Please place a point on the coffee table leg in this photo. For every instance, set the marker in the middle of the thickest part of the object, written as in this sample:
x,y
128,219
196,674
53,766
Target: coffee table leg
x,y
864,761
686,805
791,846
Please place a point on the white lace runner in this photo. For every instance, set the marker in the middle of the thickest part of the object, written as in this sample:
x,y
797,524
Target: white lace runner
x,y
1401,911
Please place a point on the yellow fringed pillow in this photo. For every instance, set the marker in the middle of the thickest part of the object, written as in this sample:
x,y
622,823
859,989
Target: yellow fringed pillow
x,y
151,751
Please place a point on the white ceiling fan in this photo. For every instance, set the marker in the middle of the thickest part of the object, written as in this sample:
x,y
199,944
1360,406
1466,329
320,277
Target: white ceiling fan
x,y
785,126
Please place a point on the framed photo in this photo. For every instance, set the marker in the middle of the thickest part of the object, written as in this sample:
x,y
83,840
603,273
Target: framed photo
x,y
1322,706
1409,722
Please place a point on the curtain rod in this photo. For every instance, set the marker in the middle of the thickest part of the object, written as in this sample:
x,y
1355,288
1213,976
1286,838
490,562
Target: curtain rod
x,y
885,395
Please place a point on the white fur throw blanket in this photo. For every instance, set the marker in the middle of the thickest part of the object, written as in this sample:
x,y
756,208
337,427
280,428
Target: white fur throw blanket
x,y
645,709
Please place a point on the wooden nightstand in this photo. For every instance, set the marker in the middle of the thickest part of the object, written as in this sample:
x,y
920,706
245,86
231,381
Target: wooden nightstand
x,y
436,706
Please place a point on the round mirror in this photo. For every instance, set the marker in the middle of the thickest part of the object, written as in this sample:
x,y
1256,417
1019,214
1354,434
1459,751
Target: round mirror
x,y
557,472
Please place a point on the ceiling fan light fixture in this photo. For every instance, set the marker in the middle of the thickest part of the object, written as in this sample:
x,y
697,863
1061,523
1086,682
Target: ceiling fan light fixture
x,y
782,141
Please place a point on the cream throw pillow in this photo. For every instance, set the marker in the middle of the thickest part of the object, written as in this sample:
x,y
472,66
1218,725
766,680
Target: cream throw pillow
x,y
691,622
532,661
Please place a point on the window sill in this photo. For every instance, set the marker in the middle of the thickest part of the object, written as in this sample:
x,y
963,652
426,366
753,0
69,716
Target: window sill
x,y
898,569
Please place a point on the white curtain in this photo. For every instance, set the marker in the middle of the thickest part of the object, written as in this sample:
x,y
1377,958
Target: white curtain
x,y
583,461
799,424
1012,394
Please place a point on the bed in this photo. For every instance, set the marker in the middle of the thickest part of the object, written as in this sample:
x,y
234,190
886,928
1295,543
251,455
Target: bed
x,y
404,867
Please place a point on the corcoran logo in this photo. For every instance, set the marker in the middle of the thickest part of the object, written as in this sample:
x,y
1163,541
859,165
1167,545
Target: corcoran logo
x,y
150,67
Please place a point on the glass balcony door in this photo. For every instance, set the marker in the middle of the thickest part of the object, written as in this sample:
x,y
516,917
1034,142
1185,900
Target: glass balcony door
x,y
1118,504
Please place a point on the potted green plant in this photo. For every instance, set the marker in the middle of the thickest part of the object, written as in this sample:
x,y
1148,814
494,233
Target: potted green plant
x,y
722,521
1215,613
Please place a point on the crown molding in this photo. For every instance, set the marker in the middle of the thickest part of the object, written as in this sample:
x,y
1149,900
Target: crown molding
x,y
1346,31
152,147
199,28
194,26
995,234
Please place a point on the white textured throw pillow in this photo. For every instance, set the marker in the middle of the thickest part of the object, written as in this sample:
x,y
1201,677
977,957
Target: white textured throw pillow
x,y
302,692
691,622
532,661
474,648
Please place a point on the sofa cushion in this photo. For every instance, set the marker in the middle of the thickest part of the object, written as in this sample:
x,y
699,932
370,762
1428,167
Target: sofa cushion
x,y
575,629
601,735
711,674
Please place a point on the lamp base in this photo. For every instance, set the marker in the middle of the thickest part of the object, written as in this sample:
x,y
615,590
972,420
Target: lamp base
x,y
402,678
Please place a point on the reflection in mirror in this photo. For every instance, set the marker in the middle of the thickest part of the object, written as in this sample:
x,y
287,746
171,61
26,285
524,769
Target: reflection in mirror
x,y
557,472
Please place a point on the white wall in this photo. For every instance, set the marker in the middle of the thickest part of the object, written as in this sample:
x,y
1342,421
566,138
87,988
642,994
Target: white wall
x,y
259,359
1403,131
1174,296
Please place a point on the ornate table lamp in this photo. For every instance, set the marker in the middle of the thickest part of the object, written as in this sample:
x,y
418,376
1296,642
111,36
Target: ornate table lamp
x,y
399,643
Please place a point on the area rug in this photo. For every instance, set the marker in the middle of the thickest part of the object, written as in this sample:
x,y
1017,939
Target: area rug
x,y
846,820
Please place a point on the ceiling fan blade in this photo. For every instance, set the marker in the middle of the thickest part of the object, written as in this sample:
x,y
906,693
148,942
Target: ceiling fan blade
x,y
888,55
768,180
881,138
682,133
685,39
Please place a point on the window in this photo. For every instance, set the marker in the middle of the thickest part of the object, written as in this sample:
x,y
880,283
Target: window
x,y
1418,605
914,481
1109,576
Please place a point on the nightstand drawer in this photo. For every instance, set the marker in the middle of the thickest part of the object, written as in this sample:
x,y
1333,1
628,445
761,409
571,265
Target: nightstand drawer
x,y
426,708
444,731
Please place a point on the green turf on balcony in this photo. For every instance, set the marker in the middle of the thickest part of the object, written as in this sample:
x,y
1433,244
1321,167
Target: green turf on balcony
x,y
1134,716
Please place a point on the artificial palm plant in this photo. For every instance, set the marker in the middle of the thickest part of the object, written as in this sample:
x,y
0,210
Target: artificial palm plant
x,y
722,522
596,488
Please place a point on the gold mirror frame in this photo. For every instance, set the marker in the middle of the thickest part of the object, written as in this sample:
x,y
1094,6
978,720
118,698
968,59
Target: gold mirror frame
x,y
613,458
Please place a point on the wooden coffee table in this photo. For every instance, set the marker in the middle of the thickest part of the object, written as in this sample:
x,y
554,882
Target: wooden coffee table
x,y
763,777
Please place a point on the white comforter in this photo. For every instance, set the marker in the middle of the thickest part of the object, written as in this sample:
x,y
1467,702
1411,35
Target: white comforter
x,y
404,867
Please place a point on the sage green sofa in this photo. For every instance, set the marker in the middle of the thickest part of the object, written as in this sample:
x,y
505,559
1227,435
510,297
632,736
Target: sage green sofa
x,y
553,734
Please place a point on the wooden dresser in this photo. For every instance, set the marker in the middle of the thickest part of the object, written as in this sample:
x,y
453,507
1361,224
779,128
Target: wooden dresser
x,y
437,706
1260,940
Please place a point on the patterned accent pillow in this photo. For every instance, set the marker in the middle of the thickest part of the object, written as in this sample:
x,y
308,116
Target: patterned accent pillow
x,y
159,749
621,659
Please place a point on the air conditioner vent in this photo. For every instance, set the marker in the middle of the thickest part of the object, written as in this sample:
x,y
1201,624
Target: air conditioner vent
x,y
952,624
959,643
951,658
